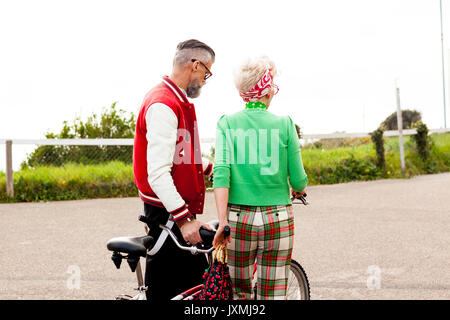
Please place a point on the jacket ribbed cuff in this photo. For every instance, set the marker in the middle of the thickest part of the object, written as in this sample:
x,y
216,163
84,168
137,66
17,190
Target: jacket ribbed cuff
x,y
209,169
180,214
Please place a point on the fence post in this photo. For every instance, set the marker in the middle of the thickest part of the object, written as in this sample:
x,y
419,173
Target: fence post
x,y
9,170
400,132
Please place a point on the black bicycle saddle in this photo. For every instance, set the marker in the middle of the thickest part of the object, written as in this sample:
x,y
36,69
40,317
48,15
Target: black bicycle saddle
x,y
131,245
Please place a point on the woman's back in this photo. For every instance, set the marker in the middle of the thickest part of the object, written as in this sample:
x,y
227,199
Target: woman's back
x,y
256,152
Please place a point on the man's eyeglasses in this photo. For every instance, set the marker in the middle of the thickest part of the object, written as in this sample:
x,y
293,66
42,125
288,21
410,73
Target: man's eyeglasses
x,y
208,73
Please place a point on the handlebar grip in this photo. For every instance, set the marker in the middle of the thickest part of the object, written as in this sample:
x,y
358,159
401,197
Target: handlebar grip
x,y
143,218
207,235
226,231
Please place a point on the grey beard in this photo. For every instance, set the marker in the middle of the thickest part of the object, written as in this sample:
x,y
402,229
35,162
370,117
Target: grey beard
x,y
193,90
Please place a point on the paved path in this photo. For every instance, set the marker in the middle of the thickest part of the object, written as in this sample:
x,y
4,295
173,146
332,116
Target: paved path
x,y
398,228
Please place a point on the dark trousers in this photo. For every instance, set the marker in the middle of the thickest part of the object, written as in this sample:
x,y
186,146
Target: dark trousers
x,y
171,270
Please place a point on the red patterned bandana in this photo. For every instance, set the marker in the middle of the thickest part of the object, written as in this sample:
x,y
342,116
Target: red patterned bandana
x,y
261,88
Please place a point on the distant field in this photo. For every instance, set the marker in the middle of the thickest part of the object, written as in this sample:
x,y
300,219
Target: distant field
x,y
325,163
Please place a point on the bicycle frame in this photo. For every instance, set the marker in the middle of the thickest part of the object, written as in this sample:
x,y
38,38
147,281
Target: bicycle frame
x,y
141,288
190,294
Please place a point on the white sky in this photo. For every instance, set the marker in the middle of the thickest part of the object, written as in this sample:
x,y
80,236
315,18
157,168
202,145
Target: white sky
x,y
338,59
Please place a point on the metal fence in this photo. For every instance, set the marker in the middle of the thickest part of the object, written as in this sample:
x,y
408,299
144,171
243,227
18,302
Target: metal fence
x,y
108,161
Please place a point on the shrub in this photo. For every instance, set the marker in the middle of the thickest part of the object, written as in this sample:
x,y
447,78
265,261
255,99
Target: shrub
x,y
377,138
409,117
112,124
424,146
346,170
422,141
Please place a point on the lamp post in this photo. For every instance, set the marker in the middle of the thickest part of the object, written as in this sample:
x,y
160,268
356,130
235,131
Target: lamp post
x,y
400,130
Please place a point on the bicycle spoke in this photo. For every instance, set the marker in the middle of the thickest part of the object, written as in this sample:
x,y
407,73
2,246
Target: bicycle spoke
x,y
293,290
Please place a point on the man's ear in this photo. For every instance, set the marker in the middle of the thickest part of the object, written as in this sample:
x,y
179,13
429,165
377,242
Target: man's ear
x,y
195,65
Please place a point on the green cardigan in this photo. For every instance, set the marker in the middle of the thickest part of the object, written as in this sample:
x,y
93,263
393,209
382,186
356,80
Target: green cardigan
x,y
257,157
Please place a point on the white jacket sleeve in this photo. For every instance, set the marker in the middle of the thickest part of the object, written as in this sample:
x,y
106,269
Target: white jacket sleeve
x,y
162,124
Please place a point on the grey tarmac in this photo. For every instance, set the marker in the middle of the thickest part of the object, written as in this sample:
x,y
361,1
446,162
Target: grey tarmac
x,y
385,239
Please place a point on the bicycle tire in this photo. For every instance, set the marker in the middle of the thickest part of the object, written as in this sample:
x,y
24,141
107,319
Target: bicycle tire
x,y
302,291
297,289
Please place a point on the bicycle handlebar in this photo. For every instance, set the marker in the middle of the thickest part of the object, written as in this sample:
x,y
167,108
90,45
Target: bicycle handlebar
x,y
302,199
205,235
208,236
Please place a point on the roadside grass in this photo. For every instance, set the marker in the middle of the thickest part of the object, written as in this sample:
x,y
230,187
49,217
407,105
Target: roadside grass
x,y
71,181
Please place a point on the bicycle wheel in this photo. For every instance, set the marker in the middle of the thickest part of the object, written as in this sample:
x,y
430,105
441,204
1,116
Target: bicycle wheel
x,y
298,285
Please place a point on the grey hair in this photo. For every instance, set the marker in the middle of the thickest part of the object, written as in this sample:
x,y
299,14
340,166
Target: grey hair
x,y
251,71
193,49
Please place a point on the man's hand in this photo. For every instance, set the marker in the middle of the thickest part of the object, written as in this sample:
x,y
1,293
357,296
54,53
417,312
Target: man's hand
x,y
190,231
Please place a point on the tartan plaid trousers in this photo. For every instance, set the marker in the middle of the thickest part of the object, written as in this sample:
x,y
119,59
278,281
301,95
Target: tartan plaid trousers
x,y
264,233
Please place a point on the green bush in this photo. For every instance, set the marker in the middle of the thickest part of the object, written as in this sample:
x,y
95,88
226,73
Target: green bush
x,y
349,169
409,117
424,146
110,124
377,138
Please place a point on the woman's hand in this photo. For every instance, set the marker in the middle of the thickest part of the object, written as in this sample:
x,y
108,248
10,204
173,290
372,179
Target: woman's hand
x,y
219,238
297,195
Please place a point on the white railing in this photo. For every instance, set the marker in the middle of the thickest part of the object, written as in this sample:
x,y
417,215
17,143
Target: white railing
x,y
130,142
74,142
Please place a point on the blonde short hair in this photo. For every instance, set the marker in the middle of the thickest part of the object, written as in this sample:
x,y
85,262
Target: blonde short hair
x,y
251,71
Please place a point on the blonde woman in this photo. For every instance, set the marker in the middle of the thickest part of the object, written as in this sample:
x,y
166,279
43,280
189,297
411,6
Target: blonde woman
x,y
257,161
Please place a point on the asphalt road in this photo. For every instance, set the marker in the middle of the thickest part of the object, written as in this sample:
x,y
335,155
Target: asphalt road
x,y
387,239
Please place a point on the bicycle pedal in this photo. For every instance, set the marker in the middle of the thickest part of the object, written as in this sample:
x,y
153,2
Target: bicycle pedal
x,y
140,289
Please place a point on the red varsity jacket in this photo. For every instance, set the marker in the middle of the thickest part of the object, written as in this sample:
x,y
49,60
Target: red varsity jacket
x,y
187,170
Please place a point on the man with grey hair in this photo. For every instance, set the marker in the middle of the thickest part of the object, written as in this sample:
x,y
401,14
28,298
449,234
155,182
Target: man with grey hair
x,y
169,170
192,54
